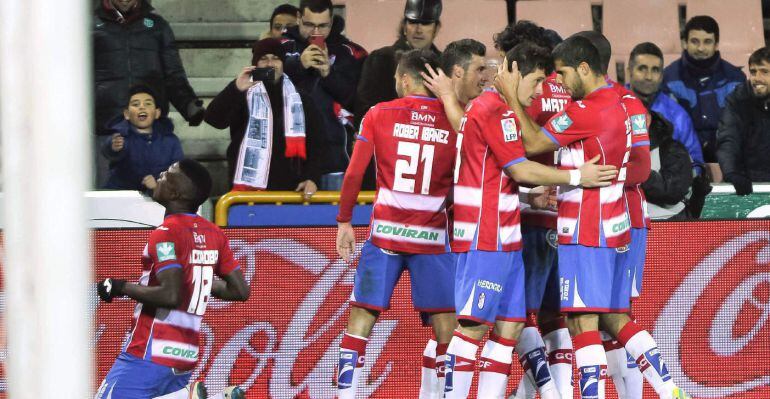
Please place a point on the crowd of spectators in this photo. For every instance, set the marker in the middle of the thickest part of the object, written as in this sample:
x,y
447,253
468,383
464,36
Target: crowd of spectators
x,y
293,114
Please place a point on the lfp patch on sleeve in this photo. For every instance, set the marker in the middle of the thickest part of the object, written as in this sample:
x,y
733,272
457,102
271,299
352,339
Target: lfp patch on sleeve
x,y
639,124
165,251
510,130
561,123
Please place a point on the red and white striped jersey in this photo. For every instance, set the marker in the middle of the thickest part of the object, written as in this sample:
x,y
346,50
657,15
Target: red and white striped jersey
x,y
415,149
552,101
170,336
637,114
596,125
486,200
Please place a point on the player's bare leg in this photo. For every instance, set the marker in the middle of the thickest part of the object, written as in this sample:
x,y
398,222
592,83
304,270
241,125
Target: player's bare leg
x,y
432,381
461,358
353,349
642,347
590,358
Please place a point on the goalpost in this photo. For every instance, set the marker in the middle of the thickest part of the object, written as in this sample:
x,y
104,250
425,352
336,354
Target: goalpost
x,y
45,120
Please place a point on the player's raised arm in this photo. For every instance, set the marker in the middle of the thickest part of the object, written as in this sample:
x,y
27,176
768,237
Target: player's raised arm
x,y
441,85
507,83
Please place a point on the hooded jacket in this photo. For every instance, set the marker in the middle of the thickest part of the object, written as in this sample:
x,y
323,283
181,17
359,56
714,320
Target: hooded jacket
x,y
684,132
743,137
702,91
142,154
338,87
138,48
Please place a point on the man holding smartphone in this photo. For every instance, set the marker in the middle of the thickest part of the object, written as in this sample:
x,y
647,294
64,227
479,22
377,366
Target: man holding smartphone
x,y
327,71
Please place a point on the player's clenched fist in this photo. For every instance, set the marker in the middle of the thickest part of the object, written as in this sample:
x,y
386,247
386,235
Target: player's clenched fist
x,y
110,288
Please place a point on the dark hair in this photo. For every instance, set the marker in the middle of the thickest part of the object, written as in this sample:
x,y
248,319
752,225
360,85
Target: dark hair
x,y
760,56
316,6
524,31
460,52
530,57
413,62
576,50
704,23
283,9
602,44
142,88
200,178
646,48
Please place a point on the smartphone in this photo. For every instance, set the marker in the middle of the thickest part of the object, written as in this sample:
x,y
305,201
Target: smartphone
x,y
318,40
263,74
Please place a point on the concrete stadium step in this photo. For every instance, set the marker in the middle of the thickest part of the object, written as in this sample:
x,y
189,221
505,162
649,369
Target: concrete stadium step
x,y
214,62
209,87
217,11
221,31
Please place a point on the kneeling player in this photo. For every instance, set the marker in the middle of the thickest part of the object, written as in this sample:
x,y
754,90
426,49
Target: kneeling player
x,y
489,284
414,147
179,263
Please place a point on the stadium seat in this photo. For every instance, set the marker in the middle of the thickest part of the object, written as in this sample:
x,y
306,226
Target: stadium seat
x,y
739,59
374,23
564,16
740,23
630,22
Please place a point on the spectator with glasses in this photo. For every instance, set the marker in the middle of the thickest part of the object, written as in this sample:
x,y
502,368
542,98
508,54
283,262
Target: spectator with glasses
x,y
327,70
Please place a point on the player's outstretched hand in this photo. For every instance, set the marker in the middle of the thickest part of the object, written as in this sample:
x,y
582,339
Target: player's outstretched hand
x,y
593,175
438,83
346,241
507,80
110,288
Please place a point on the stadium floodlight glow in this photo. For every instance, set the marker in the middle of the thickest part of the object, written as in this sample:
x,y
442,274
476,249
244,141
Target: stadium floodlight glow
x,y
45,122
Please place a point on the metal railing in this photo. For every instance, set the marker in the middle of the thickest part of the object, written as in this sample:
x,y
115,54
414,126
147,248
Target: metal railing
x,y
278,198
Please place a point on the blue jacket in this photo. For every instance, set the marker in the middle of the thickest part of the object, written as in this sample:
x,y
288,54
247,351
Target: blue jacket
x,y
683,129
702,92
142,154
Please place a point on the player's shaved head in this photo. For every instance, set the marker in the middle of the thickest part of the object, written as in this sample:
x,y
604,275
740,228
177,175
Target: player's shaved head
x,y
413,63
199,180
530,57
577,50
602,44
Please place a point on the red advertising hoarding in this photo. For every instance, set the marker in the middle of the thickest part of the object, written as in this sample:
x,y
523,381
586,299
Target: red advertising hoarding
x,y
706,299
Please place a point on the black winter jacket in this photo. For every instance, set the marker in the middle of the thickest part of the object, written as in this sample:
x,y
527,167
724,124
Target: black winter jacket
x,y
230,109
339,86
743,137
670,183
141,51
377,82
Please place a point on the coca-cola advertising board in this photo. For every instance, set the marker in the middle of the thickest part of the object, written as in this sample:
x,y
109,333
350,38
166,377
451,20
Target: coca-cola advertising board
x,y
706,299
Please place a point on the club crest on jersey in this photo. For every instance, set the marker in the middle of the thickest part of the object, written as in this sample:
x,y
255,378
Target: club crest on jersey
x,y
165,251
639,124
482,299
561,123
510,131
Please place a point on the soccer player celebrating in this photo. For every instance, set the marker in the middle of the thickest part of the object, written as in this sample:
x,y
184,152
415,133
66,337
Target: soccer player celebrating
x,y
546,359
415,148
621,367
179,263
489,284
593,223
